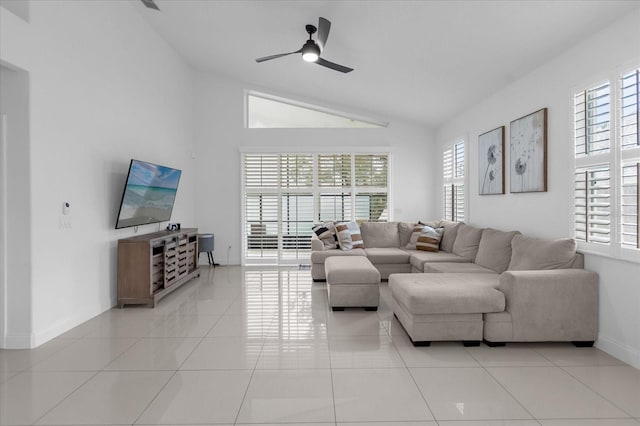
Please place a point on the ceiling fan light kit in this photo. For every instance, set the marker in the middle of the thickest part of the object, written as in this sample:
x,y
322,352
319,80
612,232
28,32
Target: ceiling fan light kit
x,y
311,50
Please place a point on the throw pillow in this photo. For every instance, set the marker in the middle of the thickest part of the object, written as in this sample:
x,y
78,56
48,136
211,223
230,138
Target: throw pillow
x,y
429,239
417,230
349,236
326,233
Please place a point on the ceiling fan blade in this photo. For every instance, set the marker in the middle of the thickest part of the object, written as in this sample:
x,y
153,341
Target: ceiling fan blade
x,y
324,26
150,4
333,66
279,55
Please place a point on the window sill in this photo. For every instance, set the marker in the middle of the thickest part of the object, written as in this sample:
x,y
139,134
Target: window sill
x,y
626,255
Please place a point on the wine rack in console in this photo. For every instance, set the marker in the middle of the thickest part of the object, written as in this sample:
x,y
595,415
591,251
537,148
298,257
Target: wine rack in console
x,y
153,265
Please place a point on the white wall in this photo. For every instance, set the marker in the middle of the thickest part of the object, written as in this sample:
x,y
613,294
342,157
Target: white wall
x,y
220,133
104,88
550,214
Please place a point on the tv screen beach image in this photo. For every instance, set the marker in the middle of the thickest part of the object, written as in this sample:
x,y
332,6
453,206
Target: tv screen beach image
x,y
149,194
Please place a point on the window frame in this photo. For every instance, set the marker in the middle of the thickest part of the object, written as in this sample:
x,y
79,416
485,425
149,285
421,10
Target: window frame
x,y
616,158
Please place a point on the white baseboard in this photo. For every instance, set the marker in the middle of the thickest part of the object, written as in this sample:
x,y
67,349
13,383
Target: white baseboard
x,y
55,330
623,352
17,341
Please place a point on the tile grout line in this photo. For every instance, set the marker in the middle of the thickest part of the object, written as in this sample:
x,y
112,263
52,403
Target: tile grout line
x,y
502,386
413,379
172,376
595,391
255,367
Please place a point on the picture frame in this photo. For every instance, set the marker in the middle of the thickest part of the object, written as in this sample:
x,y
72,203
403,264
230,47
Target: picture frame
x,y
491,162
528,153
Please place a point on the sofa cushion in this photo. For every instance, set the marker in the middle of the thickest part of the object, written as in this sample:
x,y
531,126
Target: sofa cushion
x,y
423,294
449,236
418,258
379,255
380,234
535,253
321,256
494,251
429,239
326,233
467,241
349,236
405,229
456,267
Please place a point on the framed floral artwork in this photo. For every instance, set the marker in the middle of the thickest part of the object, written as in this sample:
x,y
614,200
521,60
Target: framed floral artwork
x,y
528,153
491,162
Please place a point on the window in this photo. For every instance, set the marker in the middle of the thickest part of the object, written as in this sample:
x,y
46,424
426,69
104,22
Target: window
x,y
607,164
267,111
284,194
453,180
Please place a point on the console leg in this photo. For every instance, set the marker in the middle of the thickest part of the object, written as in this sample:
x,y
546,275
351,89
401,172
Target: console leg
x,y
370,308
337,308
470,343
584,344
494,344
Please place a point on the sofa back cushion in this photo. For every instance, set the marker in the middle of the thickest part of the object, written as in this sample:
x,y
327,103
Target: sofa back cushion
x,y
404,232
494,251
467,241
449,235
535,253
380,234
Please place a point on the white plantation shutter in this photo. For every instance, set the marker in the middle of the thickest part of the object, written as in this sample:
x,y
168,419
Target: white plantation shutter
x,y
261,225
458,213
261,171
296,223
593,205
630,205
296,171
630,110
607,166
334,170
285,194
371,177
592,120
459,160
453,171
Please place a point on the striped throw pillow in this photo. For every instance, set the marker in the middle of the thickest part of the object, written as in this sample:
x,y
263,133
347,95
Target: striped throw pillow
x,y
349,236
417,230
429,239
326,233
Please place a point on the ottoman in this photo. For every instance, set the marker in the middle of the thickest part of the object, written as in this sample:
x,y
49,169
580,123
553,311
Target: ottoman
x,y
352,281
433,307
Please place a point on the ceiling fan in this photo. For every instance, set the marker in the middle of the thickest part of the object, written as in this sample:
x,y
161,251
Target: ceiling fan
x,y
312,50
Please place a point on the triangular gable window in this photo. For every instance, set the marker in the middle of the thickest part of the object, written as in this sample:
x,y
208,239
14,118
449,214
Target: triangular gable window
x,y
266,111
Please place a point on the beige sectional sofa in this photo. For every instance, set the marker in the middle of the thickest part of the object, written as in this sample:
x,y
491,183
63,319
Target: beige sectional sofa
x,y
482,284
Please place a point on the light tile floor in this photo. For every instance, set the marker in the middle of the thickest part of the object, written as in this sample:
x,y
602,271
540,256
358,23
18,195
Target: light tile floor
x,y
260,346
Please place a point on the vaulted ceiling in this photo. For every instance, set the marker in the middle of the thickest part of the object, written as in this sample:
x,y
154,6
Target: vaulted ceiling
x,y
424,61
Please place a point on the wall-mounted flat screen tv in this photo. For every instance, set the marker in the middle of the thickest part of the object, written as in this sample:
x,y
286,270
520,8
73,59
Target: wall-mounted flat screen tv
x,y
149,194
